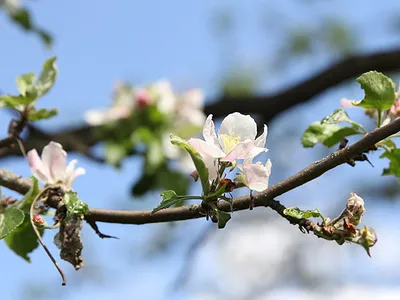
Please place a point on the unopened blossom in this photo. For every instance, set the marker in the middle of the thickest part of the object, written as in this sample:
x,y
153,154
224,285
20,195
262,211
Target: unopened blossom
x,y
395,109
236,139
355,208
52,167
367,238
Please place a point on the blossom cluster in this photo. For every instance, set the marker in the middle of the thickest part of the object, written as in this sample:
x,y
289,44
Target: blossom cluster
x,y
236,140
184,111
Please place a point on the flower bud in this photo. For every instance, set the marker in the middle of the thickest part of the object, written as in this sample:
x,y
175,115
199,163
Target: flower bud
x,y
395,109
38,221
143,98
368,238
355,208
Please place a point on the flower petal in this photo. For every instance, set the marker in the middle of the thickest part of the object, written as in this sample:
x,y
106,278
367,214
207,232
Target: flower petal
x,y
205,148
257,175
166,100
37,167
241,151
209,131
193,98
262,139
238,125
71,173
54,160
212,166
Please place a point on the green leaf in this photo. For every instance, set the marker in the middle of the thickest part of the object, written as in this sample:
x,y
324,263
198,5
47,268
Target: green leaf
x,y
339,116
23,240
154,156
197,160
26,202
394,165
42,114
22,17
327,134
297,213
25,83
14,101
379,91
223,218
10,219
47,77
74,205
170,198
115,153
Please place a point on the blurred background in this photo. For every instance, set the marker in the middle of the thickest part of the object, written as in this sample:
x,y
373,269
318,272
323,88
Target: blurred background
x,y
223,47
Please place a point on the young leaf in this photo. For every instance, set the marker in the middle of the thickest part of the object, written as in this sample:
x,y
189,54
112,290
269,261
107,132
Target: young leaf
x,y
223,218
26,202
170,198
339,116
74,205
10,219
14,101
197,160
394,165
379,91
47,77
23,240
41,114
297,213
25,83
327,134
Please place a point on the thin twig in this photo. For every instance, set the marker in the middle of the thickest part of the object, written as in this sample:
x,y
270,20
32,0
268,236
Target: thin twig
x,y
64,281
265,198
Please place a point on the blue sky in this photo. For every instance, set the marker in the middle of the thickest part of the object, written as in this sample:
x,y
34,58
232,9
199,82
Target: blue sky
x,y
98,42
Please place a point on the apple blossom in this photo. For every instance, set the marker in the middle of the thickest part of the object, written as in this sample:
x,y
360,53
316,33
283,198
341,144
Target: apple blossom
x,y
236,140
257,175
52,168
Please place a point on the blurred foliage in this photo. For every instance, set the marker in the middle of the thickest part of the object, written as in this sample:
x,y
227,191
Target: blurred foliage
x,y
22,17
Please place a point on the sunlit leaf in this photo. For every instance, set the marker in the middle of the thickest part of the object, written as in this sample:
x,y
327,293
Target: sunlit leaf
x,y
297,213
10,219
379,91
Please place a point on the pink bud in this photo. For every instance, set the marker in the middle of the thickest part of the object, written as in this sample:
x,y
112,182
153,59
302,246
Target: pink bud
x,y
38,220
395,109
142,97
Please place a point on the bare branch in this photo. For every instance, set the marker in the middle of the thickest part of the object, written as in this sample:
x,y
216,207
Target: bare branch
x,y
265,198
81,139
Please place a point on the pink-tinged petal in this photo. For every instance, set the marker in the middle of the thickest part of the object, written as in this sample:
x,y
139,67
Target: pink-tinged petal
x,y
257,175
36,166
55,160
241,151
205,148
238,125
348,103
209,131
262,139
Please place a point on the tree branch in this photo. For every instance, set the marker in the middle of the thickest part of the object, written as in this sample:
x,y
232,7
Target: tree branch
x,y
269,106
81,139
265,198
